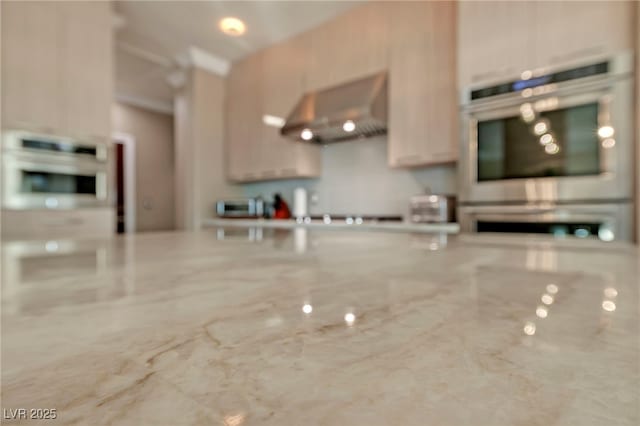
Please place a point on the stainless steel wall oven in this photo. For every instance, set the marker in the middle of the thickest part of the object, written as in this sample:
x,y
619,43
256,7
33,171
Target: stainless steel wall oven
x,y
41,171
551,152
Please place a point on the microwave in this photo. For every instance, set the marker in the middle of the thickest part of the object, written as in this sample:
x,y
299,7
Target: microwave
x,y
42,171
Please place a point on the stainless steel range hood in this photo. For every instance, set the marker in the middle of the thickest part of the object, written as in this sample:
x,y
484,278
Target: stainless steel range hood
x,y
351,110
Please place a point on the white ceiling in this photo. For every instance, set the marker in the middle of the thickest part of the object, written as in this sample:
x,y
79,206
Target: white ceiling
x,y
157,32
176,25
137,78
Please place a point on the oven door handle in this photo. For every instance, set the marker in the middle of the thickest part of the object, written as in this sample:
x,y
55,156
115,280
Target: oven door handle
x,y
515,210
576,217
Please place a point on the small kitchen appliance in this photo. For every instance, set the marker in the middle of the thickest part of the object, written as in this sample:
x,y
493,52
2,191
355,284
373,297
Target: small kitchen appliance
x,y
241,208
432,208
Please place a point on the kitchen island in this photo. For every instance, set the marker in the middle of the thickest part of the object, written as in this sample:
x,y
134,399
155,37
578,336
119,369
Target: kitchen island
x,y
388,226
232,326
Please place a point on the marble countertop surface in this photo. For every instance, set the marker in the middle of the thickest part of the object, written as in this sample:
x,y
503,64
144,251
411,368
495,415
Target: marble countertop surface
x,y
233,326
450,228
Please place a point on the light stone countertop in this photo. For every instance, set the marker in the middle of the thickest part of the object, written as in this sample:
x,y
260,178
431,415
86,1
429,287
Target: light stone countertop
x,y
449,228
260,326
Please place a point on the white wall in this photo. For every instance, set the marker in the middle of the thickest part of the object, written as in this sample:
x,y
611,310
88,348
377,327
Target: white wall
x,y
199,150
184,179
357,180
153,134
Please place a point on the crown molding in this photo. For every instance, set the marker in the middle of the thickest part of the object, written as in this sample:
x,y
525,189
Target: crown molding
x,y
177,79
144,54
145,103
199,58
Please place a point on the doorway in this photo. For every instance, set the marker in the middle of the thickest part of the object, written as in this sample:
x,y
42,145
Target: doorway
x,y
124,150
120,207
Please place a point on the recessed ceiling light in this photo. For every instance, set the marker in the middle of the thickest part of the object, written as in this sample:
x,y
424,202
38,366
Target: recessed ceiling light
x,y
232,26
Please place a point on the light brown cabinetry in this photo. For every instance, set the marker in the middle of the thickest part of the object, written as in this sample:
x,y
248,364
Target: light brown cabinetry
x,y
244,118
57,67
569,31
494,40
86,69
36,224
284,68
269,82
350,46
30,66
422,92
413,41
500,39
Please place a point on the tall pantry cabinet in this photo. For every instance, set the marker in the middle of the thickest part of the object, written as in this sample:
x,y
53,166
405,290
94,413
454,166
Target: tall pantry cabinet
x,y
57,80
57,62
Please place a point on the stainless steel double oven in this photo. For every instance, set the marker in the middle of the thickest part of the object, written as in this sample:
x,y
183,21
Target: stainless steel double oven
x,y
43,171
551,152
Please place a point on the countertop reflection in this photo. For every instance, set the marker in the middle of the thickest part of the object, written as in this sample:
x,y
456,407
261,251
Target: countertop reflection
x,y
296,326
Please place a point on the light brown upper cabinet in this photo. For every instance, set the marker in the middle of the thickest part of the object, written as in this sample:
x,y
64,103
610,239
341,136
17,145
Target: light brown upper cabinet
x,y
31,66
494,40
349,47
422,89
267,83
57,68
413,41
284,74
243,117
569,31
86,59
499,40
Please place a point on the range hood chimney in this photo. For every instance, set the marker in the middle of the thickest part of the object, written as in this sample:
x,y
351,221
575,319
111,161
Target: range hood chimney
x,y
348,111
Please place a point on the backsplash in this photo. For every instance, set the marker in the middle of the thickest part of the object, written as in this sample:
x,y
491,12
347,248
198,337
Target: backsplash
x,y
356,179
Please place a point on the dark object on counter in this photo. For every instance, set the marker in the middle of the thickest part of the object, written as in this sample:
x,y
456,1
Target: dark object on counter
x,y
432,208
280,208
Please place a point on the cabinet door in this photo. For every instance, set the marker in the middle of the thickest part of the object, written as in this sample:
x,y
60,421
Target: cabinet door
x,y
244,118
236,129
499,40
322,67
235,132
50,224
422,95
570,31
86,55
284,84
30,66
495,40
350,46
